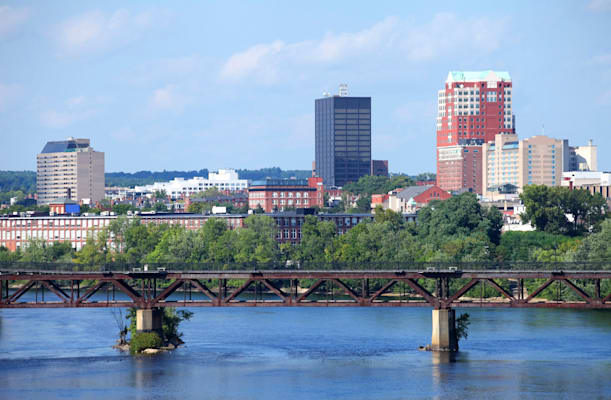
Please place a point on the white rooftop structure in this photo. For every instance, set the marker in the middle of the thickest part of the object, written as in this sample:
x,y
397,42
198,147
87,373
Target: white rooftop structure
x,y
224,179
478,76
586,178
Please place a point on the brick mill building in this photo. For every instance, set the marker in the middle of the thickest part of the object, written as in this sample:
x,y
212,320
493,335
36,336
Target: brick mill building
x,y
281,194
16,231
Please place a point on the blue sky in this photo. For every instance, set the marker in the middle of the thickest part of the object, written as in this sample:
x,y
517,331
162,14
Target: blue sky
x,y
191,85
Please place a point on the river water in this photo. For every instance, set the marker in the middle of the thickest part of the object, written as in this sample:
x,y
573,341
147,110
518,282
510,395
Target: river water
x,y
310,353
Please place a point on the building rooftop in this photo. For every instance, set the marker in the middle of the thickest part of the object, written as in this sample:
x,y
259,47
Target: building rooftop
x,y
280,182
478,76
413,191
63,200
65,146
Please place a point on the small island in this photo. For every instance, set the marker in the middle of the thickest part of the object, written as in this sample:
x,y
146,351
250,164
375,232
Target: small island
x,y
150,342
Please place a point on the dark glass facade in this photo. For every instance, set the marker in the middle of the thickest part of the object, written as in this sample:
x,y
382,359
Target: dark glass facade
x,y
343,139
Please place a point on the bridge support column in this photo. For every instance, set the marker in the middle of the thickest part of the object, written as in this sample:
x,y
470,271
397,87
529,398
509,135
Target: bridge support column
x,y
150,320
444,331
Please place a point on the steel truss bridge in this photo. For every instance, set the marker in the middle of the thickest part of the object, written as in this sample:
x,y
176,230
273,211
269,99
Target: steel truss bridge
x,y
55,286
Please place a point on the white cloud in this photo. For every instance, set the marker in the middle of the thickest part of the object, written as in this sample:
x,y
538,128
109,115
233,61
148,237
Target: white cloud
x,y
599,5
168,98
97,31
11,18
8,94
258,60
75,109
390,39
447,33
603,59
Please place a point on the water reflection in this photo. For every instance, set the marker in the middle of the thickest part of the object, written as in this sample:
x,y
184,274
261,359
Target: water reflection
x,y
305,353
440,359
147,370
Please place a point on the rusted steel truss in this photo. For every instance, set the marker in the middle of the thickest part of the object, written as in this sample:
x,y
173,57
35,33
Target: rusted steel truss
x,y
303,288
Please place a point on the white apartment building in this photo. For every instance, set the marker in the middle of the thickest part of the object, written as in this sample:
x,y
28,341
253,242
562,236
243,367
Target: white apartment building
x,y
69,169
224,179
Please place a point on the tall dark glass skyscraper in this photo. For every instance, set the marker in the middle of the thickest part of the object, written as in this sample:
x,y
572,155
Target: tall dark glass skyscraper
x,y
343,139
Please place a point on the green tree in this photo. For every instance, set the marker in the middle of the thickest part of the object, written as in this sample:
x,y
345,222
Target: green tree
x,y
210,192
38,250
370,184
394,218
459,215
122,209
160,194
199,207
316,241
160,206
595,247
547,209
363,205
528,246
256,242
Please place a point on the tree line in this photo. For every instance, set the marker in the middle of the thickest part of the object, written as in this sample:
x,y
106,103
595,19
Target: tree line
x,y
459,229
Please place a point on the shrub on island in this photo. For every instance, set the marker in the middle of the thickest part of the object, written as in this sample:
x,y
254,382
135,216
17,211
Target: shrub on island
x,y
145,340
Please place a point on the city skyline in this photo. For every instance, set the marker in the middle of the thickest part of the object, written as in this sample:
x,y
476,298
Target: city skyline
x,y
157,89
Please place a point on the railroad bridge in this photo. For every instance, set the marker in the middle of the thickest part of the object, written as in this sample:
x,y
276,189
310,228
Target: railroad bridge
x,y
439,286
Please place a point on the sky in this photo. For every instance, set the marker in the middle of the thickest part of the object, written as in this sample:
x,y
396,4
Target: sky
x,y
227,84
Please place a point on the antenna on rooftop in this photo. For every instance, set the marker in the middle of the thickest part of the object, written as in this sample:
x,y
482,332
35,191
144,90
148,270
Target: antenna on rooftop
x,y
343,90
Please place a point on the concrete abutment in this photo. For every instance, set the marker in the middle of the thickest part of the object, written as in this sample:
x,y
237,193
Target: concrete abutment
x,y
150,320
444,330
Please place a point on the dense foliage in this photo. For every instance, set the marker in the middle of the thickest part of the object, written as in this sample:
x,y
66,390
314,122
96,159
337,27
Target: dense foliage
x,y
458,229
370,184
144,340
547,209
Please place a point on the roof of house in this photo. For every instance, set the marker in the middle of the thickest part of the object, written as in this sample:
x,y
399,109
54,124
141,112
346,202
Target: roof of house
x,y
63,200
413,191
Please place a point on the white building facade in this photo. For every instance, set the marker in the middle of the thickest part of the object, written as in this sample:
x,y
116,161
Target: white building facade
x,y
224,179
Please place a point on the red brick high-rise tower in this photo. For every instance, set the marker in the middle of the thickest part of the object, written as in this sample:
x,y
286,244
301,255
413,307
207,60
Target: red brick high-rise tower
x,y
473,107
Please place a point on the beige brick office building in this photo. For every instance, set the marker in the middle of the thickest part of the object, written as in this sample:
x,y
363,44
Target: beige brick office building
x,y
537,160
69,169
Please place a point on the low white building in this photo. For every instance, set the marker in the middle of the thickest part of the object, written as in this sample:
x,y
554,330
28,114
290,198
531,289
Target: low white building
x,y
586,178
224,179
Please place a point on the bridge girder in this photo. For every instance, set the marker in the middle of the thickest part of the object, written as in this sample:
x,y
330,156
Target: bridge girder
x,y
269,289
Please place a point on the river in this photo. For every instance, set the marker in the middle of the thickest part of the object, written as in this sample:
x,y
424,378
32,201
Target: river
x,y
310,353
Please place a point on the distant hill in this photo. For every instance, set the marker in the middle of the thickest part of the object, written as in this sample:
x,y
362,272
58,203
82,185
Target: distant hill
x,y
25,181
18,180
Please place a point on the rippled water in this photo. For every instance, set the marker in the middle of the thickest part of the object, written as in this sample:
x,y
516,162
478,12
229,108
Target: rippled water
x,y
310,353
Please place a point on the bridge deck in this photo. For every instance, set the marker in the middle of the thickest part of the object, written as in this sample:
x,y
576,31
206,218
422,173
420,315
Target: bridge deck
x,y
281,287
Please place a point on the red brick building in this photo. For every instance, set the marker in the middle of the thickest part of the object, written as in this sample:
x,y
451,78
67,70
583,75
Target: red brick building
x,y
473,107
460,167
17,231
379,167
410,199
281,194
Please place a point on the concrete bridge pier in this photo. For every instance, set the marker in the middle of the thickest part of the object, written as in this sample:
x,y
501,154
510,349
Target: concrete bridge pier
x,y
150,320
444,330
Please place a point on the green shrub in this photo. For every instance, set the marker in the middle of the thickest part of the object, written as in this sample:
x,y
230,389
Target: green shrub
x,y
144,340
